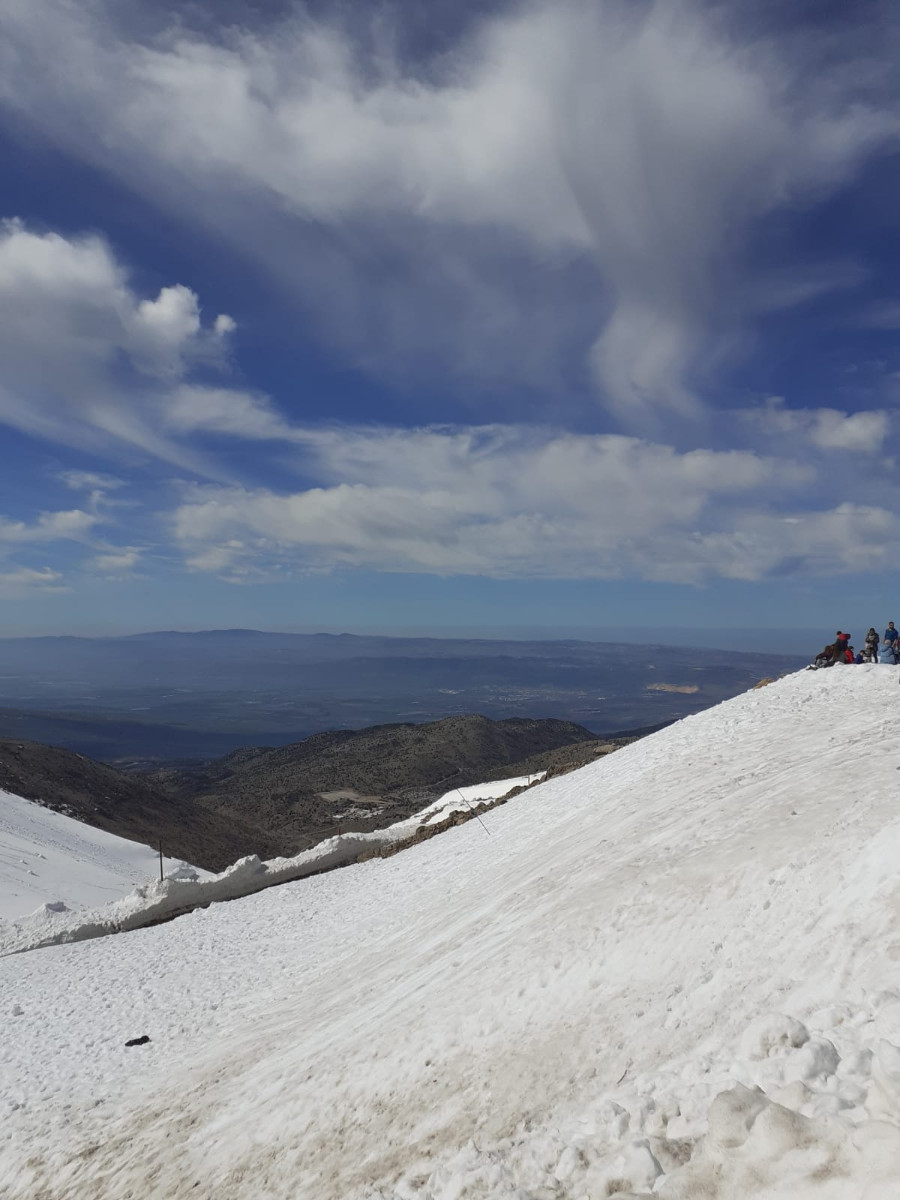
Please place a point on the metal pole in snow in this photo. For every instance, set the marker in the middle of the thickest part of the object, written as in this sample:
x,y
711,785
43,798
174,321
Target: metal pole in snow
x,y
473,812
160,862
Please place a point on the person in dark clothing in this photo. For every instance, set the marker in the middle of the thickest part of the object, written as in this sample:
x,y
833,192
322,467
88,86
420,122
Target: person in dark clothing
x,y
871,649
841,642
825,658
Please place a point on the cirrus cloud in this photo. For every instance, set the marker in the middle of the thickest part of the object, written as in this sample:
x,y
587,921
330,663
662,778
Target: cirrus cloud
x,y
624,155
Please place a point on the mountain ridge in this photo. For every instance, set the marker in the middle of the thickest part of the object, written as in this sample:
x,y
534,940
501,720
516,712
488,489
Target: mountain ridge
x,y
301,792
276,801
117,803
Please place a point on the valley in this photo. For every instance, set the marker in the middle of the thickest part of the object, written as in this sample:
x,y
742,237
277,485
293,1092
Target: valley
x,y
165,696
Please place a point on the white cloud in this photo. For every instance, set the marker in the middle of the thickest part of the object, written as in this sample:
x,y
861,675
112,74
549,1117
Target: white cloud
x,y
27,579
90,481
617,157
164,326
502,502
826,428
83,359
847,538
223,325
189,409
861,431
117,561
215,558
574,186
72,525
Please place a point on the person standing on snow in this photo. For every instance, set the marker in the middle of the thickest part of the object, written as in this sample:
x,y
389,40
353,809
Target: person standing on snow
x,y
871,650
890,646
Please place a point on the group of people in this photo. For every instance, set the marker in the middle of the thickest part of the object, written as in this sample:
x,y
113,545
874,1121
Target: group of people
x,y
875,650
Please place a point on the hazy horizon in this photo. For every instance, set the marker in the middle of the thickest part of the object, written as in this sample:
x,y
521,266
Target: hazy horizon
x,y
747,638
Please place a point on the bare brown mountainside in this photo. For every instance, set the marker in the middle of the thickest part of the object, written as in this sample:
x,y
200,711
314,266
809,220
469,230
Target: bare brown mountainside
x,y
385,758
359,779
122,804
279,801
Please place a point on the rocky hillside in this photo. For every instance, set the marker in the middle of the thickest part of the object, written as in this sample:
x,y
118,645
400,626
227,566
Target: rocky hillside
x,y
277,801
108,799
358,779
563,759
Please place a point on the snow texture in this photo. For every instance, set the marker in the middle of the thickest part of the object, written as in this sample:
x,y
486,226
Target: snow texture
x,y
49,859
673,973
463,798
185,887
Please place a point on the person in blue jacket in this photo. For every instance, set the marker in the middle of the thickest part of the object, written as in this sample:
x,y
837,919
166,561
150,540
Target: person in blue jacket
x,y
891,634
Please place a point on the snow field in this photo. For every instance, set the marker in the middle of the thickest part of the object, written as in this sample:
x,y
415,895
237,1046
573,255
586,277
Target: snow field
x,y
47,858
581,1005
460,799
87,866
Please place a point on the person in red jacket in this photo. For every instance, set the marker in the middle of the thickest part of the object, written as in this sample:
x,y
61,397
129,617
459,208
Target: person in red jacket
x,y
841,642
838,651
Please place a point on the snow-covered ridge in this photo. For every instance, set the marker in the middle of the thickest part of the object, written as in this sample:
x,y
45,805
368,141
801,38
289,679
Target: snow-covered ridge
x,y
582,1005
82,862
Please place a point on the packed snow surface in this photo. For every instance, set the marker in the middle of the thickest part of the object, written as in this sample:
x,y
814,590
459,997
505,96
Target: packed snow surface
x,y
47,858
675,972
462,798
184,887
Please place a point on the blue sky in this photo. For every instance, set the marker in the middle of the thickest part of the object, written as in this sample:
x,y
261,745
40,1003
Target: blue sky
x,y
556,315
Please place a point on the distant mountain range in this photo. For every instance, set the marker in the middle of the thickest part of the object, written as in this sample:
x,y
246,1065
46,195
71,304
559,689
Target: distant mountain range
x,y
167,696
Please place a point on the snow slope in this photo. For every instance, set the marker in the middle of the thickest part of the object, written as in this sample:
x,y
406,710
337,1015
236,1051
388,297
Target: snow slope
x,y
184,888
583,1004
49,858
462,798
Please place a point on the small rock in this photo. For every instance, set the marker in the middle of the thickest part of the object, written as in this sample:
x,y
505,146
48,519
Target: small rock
x,y
141,1041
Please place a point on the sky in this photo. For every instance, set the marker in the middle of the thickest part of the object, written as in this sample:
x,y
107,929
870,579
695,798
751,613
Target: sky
x,y
571,314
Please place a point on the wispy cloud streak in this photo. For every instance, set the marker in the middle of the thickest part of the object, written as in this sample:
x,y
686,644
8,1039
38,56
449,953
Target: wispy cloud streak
x,y
642,145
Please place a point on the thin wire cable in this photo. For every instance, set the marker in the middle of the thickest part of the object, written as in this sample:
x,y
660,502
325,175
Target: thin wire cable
x,y
473,812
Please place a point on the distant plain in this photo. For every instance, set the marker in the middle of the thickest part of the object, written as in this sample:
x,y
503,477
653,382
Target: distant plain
x,y
164,696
